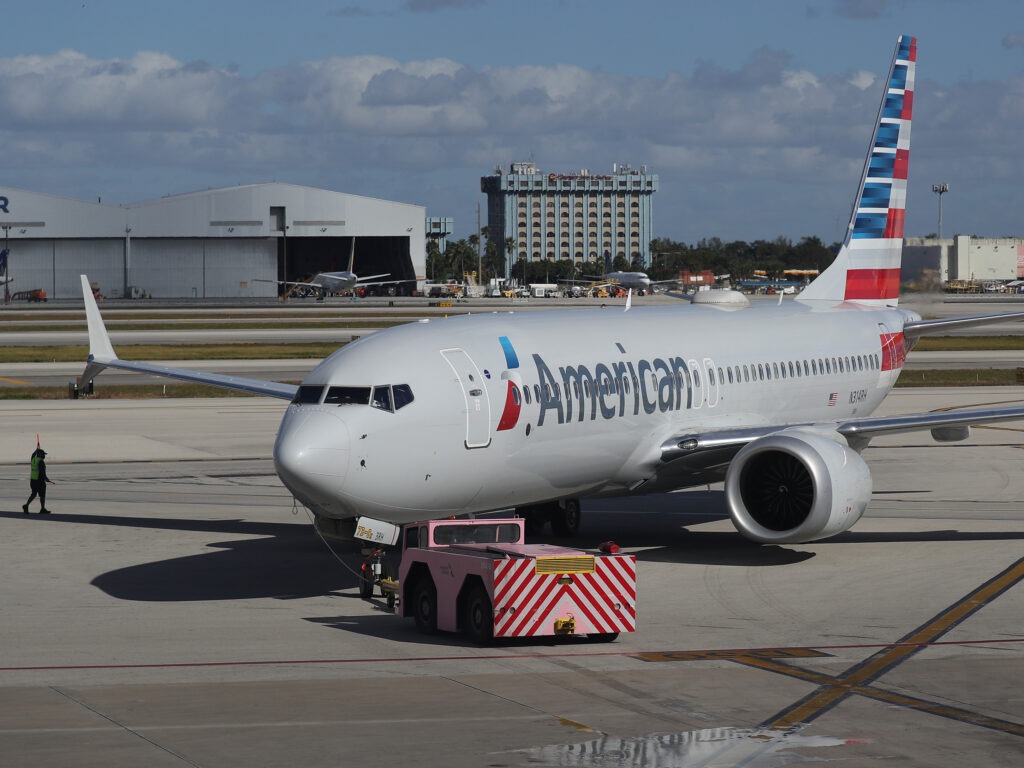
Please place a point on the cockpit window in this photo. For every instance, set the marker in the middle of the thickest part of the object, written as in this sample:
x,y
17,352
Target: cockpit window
x,y
347,396
382,398
386,397
402,394
308,395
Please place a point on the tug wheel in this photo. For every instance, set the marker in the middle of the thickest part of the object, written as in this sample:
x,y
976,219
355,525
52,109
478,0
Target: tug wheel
x,y
479,621
424,602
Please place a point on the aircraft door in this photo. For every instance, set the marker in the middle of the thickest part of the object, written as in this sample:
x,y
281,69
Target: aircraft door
x,y
474,393
696,385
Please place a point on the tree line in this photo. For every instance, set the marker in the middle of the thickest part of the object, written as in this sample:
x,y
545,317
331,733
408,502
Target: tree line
x,y
738,258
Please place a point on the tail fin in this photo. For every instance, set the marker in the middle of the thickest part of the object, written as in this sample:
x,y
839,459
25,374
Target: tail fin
x,y
352,254
867,268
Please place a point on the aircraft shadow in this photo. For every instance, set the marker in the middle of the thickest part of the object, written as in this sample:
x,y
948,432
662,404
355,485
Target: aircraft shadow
x,y
288,561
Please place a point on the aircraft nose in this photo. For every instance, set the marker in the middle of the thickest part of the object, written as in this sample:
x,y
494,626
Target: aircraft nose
x,y
311,455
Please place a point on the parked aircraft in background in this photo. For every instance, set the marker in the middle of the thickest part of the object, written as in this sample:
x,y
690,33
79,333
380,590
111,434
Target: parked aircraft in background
x,y
538,410
344,281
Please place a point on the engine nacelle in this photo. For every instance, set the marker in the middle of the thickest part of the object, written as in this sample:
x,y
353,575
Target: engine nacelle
x,y
796,485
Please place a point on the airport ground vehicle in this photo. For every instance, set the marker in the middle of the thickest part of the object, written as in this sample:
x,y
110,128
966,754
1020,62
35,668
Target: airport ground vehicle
x,y
35,294
478,576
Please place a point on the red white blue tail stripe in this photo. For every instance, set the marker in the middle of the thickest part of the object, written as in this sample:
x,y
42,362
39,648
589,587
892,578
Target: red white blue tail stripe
x,y
867,269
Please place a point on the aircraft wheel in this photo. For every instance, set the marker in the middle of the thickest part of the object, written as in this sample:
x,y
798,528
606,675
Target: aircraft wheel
x,y
424,601
365,583
534,523
565,518
479,621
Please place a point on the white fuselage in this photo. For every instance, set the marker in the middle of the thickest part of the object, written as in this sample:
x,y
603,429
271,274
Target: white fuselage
x,y
515,409
337,282
637,281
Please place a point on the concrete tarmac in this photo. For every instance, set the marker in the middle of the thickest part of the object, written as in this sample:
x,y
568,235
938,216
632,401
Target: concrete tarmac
x,y
177,610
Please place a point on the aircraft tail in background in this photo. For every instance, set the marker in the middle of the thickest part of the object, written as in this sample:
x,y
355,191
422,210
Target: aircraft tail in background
x,y
867,268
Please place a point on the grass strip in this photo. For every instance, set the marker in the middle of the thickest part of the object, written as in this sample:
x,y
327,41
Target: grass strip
x,y
980,377
966,343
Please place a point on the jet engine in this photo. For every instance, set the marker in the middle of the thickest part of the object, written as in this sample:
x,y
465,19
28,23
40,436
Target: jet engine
x,y
796,485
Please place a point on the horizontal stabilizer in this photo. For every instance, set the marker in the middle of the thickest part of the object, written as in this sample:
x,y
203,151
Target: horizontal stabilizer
x,y
914,329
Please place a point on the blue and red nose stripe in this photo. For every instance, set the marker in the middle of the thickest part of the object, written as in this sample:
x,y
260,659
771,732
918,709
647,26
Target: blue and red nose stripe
x,y
513,399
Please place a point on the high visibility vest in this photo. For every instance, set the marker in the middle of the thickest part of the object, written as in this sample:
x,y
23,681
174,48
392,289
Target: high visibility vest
x,y
35,466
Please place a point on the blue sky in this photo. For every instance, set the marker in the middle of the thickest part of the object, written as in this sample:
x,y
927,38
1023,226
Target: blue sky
x,y
755,115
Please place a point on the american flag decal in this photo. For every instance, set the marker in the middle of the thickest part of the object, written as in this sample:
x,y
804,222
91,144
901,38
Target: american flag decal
x,y
833,399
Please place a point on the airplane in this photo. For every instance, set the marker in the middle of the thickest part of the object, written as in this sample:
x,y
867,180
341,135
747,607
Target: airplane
x,y
344,281
535,411
638,282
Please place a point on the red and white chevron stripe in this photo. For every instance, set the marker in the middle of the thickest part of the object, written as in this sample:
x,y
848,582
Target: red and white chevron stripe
x,y
527,603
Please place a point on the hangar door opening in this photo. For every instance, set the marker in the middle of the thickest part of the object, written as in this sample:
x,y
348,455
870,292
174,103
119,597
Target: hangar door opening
x,y
305,257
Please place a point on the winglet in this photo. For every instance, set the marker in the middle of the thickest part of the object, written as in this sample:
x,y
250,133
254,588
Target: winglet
x,y
101,351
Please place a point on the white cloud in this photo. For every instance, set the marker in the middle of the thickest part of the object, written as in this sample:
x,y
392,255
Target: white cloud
x,y
153,124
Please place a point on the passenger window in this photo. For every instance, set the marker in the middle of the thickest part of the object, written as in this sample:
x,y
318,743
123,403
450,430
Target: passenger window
x,y
515,395
308,395
382,398
402,394
526,394
347,396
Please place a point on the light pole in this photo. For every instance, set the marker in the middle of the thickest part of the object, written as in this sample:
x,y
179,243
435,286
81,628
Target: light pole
x,y
7,252
940,190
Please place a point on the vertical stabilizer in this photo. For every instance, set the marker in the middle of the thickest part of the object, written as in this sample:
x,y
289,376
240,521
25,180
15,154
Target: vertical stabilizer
x,y
867,268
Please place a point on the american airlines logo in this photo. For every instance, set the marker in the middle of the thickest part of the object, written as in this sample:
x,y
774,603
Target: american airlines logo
x,y
612,390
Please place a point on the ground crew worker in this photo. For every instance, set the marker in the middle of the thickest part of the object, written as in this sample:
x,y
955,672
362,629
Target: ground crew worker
x,y
38,481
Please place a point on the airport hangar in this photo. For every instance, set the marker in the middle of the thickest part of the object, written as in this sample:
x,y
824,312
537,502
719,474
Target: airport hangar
x,y
234,242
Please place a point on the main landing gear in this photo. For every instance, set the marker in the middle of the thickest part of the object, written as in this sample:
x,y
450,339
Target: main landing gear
x,y
375,572
564,517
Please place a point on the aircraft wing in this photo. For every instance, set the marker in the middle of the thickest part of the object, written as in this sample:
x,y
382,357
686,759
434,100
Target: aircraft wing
x,y
102,355
362,280
362,284
711,452
286,282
